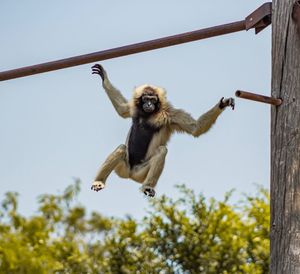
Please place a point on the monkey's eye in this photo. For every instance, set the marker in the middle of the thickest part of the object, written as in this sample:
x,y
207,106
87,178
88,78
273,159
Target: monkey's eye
x,y
154,99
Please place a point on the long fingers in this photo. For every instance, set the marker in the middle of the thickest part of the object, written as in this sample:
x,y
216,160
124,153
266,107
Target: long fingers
x,y
98,69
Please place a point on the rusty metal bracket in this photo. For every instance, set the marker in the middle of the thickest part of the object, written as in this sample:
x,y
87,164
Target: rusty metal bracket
x,y
260,18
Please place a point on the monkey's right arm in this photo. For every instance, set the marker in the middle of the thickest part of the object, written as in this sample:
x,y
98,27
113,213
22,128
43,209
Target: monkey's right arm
x,y
184,122
120,104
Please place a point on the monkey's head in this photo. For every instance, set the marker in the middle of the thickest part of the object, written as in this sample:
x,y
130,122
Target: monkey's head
x,y
148,100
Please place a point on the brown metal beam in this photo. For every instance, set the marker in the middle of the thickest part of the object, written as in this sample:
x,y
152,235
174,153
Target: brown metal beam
x,y
141,47
258,98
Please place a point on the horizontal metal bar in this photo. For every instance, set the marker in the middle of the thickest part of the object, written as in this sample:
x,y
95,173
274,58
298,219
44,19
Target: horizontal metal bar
x,y
122,51
258,98
127,50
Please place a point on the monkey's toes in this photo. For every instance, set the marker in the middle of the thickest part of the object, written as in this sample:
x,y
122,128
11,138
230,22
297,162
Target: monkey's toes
x,y
97,186
150,192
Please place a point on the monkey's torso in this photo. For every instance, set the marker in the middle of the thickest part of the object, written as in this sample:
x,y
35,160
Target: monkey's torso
x,y
140,136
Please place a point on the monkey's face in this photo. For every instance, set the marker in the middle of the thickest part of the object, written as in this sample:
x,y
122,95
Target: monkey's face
x,y
146,101
149,103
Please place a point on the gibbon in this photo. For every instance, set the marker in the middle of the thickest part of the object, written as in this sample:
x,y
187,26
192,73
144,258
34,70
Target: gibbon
x,y
154,120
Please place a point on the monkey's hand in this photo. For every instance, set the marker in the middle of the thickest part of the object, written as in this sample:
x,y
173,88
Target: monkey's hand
x,y
228,102
98,69
97,185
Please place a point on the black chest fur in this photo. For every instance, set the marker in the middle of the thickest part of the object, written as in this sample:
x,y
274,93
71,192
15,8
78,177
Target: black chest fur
x,y
141,134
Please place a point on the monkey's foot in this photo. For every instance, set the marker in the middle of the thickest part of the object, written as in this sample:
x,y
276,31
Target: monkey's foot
x,y
149,191
97,185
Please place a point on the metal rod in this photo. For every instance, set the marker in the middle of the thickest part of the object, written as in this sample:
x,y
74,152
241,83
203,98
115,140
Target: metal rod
x,y
125,50
258,98
259,19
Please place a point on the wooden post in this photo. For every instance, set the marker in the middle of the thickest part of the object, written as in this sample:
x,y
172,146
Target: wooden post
x,y
285,141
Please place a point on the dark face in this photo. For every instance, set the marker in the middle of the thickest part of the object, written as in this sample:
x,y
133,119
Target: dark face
x,y
149,103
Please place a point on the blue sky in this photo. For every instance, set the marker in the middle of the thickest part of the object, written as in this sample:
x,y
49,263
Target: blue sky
x,y
60,125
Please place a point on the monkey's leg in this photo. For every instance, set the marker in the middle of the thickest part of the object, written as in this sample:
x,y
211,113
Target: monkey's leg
x,y
108,166
152,170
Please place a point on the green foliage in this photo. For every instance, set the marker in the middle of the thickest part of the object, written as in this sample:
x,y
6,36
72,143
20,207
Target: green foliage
x,y
188,235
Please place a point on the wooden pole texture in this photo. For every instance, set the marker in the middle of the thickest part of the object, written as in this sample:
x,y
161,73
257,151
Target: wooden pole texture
x,y
285,141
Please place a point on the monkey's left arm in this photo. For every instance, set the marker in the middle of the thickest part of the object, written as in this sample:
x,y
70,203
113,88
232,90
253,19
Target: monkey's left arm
x,y
184,122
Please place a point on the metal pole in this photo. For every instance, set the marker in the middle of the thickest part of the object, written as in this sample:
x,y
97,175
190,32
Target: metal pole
x,y
122,51
258,98
258,19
